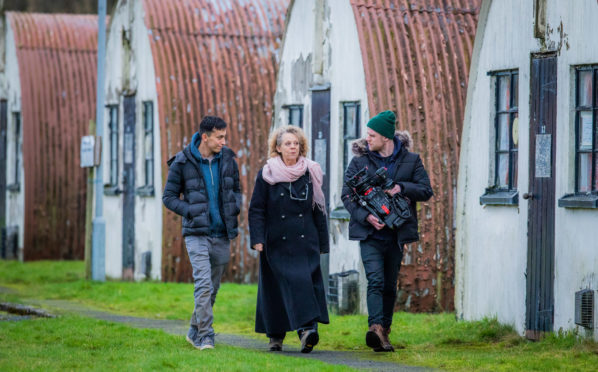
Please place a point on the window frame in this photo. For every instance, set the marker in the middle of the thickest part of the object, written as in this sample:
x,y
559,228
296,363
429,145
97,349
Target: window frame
x,y
497,194
148,163
113,137
512,112
340,213
584,199
290,109
357,121
17,128
113,130
578,109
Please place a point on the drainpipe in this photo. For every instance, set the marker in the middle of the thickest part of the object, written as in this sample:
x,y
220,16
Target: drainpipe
x,y
98,244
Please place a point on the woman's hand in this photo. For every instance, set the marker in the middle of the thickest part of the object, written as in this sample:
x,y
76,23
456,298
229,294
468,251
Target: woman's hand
x,y
259,247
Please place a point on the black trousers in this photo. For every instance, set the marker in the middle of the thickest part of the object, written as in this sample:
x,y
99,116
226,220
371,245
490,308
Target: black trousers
x,y
381,261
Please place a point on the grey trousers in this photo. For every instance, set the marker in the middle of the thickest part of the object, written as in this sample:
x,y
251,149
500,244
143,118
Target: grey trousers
x,y
208,257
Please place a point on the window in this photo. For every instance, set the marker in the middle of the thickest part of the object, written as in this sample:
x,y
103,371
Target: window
x,y
113,135
506,140
148,149
350,129
586,138
586,141
16,144
506,127
295,115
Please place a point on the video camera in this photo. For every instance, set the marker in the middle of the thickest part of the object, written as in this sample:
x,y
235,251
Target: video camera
x,y
369,192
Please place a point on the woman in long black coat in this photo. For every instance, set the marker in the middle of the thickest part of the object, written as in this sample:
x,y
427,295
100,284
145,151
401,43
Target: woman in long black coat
x,y
287,224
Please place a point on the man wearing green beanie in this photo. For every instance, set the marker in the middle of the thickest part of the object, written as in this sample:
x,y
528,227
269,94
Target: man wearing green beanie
x,y
384,124
382,247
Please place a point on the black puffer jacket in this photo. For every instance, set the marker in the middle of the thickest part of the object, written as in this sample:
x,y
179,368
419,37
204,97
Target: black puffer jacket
x,y
185,177
409,174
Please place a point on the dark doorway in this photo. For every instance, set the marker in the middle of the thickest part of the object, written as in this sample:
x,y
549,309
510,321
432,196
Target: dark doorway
x,y
320,144
541,197
129,188
3,153
320,133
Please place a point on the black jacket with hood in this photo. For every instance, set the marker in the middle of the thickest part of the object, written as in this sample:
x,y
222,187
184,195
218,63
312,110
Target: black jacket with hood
x,y
185,177
405,168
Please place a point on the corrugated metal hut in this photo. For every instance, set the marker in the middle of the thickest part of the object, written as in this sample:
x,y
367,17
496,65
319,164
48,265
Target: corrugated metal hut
x,y
527,251
169,63
47,100
344,61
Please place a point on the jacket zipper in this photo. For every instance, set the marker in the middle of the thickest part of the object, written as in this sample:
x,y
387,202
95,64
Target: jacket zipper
x,y
211,174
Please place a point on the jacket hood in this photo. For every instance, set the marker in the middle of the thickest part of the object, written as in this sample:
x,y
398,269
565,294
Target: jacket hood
x,y
360,147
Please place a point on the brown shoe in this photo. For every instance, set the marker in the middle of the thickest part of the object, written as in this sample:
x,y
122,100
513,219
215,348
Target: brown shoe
x,y
386,345
374,337
275,344
309,339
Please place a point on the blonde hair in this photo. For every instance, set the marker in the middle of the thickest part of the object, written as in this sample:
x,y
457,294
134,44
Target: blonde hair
x,y
276,139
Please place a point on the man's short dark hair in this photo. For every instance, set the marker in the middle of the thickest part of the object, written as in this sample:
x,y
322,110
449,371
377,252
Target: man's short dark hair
x,y
209,123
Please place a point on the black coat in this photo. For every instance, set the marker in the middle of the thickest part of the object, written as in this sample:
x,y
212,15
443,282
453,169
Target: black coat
x,y
290,288
409,173
185,177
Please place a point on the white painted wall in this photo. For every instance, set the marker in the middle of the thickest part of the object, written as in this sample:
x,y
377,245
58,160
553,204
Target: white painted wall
x,y
493,259
295,69
15,200
322,47
347,78
491,250
576,243
113,204
132,72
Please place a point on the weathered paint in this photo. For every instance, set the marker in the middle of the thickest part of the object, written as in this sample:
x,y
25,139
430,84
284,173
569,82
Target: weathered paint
x,y
11,90
416,59
50,79
301,67
130,71
215,58
205,58
412,57
492,240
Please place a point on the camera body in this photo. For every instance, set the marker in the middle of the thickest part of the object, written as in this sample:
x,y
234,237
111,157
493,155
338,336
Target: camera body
x,y
368,191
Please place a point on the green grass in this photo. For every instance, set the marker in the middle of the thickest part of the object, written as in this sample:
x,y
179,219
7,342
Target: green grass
x,y
75,343
434,340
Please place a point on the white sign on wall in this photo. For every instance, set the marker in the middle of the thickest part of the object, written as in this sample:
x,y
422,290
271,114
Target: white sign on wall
x,y
90,151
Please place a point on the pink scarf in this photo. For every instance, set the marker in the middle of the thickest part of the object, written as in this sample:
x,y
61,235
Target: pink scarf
x,y
276,171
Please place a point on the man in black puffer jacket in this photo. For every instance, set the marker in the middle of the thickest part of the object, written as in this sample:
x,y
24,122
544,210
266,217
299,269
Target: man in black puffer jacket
x,y
381,247
207,176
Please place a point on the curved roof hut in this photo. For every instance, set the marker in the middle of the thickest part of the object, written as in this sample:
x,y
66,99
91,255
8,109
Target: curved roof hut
x,y
48,100
528,178
344,61
169,63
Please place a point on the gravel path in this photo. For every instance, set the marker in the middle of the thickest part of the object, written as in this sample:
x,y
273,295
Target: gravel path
x,y
358,359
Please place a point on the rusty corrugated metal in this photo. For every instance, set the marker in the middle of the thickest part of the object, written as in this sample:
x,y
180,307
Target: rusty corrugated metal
x,y
215,57
57,61
416,56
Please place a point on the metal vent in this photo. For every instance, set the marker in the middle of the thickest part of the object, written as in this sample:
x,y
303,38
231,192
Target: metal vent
x,y
146,264
584,308
343,292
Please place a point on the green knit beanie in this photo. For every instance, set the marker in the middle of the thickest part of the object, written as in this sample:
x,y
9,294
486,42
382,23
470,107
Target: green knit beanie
x,y
384,123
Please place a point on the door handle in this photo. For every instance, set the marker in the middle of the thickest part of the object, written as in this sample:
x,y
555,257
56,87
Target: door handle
x,y
528,196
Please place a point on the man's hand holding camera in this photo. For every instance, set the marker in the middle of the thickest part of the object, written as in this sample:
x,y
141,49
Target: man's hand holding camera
x,y
395,190
373,220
